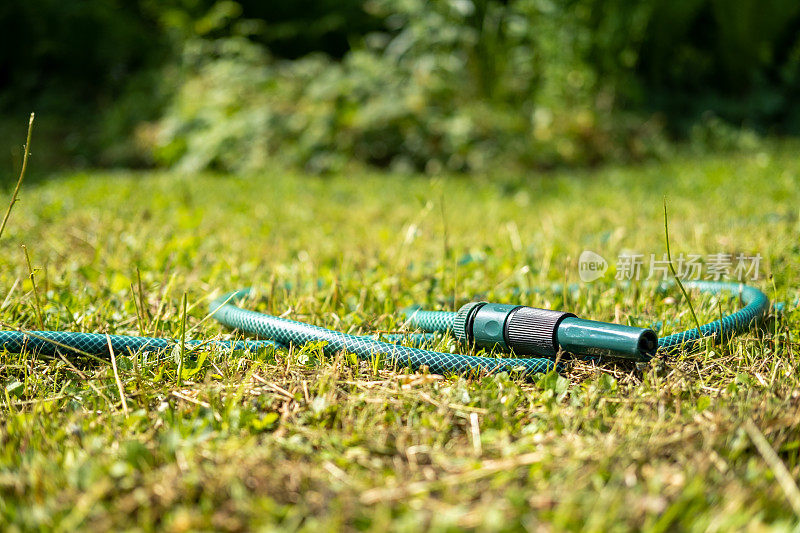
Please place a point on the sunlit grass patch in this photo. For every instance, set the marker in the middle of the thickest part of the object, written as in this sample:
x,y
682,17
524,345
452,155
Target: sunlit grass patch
x,y
295,439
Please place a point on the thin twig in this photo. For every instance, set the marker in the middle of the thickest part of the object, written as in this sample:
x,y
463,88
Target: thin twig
x,y
116,376
10,292
183,341
211,313
85,378
487,468
187,398
139,320
475,434
21,176
775,464
145,312
38,306
195,401
675,275
157,318
273,386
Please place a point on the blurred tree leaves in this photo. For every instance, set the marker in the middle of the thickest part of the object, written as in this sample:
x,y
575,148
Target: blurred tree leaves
x,y
458,84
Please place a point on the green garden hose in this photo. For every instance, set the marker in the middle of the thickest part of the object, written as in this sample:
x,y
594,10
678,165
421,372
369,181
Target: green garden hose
x,y
539,335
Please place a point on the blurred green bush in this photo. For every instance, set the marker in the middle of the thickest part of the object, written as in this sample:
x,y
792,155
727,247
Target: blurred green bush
x,y
450,85
422,85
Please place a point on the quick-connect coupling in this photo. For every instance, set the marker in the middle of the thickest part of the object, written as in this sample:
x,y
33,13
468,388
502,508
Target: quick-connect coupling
x,y
543,332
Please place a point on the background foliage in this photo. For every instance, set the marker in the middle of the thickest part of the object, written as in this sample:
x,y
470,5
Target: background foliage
x,y
414,85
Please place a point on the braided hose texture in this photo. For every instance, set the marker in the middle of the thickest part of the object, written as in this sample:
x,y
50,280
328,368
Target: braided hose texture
x,y
96,344
433,321
281,332
756,306
287,331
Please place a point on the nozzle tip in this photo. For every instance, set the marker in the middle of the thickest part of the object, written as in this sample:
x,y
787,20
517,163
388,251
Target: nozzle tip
x,y
648,342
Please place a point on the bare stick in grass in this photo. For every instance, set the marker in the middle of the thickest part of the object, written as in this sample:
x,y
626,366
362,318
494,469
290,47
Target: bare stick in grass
x,y
8,296
183,341
85,378
161,301
21,176
37,306
145,312
675,275
139,318
782,474
116,376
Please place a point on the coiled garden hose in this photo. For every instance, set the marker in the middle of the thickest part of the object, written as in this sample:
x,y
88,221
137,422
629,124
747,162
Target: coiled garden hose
x,y
539,335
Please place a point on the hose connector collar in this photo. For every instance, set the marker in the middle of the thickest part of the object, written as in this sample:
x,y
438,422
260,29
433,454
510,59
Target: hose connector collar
x,y
462,326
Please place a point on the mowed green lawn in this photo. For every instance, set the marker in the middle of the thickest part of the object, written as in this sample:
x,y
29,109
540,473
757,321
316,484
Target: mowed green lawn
x,y
296,440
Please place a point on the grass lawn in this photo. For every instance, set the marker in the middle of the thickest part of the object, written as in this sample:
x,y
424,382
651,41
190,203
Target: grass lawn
x,y
295,440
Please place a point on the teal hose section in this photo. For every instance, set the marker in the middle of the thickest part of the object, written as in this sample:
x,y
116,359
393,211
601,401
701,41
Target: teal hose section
x,y
755,307
411,339
286,331
96,344
432,321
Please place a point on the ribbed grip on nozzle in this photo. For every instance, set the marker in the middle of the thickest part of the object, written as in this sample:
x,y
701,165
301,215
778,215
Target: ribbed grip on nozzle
x,y
462,327
531,330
